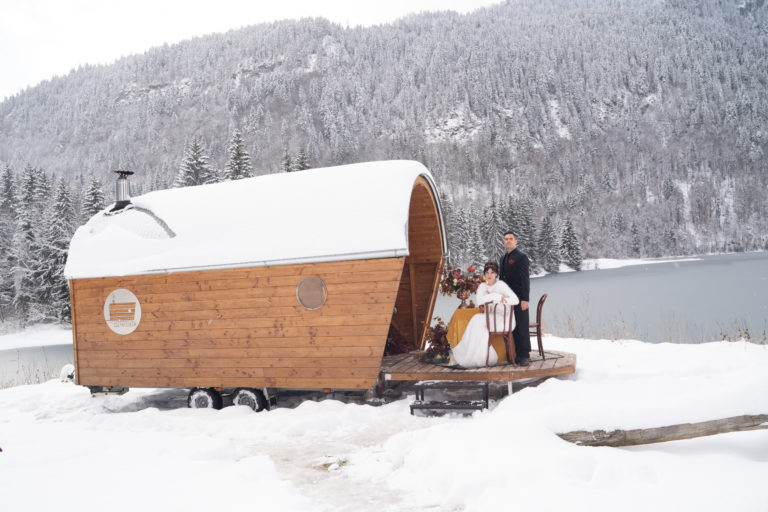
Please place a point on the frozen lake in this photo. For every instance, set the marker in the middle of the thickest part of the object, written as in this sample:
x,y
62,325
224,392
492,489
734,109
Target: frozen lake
x,y
713,298
30,365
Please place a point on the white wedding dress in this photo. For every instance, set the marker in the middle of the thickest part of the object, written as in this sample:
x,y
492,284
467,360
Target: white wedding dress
x,y
473,347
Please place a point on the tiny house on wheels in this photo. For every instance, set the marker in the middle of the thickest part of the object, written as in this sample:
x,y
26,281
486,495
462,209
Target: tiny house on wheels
x,y
280,281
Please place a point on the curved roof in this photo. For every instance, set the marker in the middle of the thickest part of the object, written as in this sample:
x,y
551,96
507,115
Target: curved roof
x,y
336,213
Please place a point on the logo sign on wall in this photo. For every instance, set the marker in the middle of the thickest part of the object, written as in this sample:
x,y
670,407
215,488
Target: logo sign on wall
x,y
122,311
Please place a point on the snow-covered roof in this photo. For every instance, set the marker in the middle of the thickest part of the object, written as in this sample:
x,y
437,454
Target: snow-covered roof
x,y
337,213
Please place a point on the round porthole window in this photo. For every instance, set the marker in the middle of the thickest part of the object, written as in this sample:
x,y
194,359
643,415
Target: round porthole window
x,y
311,292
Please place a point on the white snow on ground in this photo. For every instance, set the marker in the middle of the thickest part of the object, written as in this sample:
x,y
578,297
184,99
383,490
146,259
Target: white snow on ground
x,y
146,451
608,263
37,336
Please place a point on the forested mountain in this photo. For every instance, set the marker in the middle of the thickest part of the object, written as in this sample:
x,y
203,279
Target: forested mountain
x,y
644,123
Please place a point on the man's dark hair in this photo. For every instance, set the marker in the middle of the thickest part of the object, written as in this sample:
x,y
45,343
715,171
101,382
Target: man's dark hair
x,y
510,232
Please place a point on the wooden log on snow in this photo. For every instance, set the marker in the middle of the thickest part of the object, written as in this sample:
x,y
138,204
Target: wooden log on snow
x,y
668,433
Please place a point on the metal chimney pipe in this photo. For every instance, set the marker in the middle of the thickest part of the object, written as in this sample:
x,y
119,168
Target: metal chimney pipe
x,y
122,190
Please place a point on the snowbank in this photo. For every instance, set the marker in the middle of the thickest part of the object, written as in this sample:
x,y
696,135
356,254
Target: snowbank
x,y
37,336
146,449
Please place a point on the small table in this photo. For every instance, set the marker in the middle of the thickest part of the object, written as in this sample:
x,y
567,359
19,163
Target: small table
x,y
458,325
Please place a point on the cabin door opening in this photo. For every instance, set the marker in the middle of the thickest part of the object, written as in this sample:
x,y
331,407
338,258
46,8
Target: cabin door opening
x,y
421,272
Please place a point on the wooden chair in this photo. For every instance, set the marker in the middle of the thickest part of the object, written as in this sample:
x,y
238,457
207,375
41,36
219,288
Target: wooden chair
x,y
505,330
534,328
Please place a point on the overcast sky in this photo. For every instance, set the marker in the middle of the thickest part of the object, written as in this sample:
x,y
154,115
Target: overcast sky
x,y
43,38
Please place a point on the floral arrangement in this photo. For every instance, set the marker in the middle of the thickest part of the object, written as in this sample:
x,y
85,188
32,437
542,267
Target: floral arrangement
x,y
437,336
454,280
396,343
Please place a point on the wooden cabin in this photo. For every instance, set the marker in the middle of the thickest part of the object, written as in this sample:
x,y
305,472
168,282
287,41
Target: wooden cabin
x,y
280,281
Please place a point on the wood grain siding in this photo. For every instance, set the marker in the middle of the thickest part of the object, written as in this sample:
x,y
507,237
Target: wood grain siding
x,y
403,318
425,244
240,327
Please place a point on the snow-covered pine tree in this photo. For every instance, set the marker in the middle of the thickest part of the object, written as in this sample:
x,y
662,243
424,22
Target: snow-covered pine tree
x,y
457,238
286,164
302,160
635,241
449,221
7,226
7,191
195,169
493,230
93,199
476,252
569,246
41,194
7,210
54,246
20,264
526,230
239,163
26,188
547,247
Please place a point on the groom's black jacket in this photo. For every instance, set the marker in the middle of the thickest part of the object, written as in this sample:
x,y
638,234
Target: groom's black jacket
x,y
513,270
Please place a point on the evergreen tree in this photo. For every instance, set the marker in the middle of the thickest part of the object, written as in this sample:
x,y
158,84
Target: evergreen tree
x,y
26,189
493,230
302,161
526,230
7,192
49,271
547,247
195,169
7,210
93,199
239,164
20,267
476,252
458,234
635,240
569,246
41,194
286,164
7,225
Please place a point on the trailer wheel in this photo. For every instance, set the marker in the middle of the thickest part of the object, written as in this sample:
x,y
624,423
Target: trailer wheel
x,y
204,398
253,398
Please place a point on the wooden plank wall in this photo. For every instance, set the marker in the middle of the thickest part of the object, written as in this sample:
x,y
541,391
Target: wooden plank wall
x,y
426,250
240,327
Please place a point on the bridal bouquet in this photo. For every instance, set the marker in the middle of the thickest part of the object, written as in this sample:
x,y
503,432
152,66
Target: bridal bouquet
x,y
454,280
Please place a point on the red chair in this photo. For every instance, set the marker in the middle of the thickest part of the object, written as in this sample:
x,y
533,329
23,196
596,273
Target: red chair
x,y
505,329
534,328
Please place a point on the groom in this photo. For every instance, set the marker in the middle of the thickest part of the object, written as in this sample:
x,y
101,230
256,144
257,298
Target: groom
x,y
513,270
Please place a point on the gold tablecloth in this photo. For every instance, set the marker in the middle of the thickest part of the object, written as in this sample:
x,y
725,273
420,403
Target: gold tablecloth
x,y
458,325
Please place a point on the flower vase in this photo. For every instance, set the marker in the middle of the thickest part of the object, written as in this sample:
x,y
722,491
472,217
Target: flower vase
x,y
463,295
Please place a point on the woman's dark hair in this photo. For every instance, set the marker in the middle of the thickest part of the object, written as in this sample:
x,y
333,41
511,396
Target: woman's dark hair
x,y
491,265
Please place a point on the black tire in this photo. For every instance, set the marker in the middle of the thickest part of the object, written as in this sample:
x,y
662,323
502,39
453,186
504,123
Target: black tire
x,y
204,398
253,398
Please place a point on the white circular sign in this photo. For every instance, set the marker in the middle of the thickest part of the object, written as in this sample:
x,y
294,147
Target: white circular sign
x,y
122,311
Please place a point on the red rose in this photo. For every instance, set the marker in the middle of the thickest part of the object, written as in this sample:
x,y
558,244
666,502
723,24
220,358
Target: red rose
x,y
472,268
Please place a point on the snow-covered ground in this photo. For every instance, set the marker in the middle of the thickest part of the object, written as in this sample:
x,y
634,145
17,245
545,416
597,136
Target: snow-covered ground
x,y
41,335
146,450
608,263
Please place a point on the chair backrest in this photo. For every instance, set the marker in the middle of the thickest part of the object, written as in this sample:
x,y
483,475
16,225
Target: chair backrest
x,y
539,308
491,320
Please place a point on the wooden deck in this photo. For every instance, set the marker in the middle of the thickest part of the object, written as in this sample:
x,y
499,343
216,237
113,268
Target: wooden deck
x,y
405,367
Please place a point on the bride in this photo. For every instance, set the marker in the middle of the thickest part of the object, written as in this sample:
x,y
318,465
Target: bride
x,y
473,347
